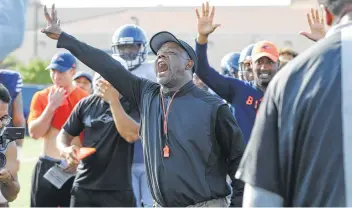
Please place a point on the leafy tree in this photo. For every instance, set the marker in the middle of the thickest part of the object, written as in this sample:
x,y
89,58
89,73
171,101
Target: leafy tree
x,y
32,73
10,63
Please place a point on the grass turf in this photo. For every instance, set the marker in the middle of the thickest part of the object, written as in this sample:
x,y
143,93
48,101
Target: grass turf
x,y
30,152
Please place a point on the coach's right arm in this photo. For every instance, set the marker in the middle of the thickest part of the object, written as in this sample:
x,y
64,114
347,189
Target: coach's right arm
x,y
110,69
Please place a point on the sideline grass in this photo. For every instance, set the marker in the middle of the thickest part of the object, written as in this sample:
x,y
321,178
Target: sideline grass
x,y
30,152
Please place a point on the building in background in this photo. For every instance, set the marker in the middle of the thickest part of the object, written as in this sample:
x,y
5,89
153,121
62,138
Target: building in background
x,y
240,26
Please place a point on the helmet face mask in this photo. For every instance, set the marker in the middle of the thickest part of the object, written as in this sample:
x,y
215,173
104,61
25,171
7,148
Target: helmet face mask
x,y
130,43
133,54
128,52
229,64
245,68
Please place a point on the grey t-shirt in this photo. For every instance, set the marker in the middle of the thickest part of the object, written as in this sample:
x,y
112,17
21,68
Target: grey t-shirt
x,y
296,145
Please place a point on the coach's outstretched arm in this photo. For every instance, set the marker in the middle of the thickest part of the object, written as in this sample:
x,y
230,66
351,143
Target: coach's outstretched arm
x,y
12,25
109,68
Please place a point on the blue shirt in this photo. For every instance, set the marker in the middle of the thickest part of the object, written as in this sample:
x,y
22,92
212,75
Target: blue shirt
x,y
244,96
12,25
13,82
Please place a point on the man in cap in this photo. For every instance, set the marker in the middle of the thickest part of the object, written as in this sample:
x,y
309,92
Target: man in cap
x,y
191,140
244,96
300,153
286,55
83,80
50,108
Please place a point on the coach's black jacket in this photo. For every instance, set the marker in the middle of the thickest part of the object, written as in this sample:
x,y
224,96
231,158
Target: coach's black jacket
x,y
205,141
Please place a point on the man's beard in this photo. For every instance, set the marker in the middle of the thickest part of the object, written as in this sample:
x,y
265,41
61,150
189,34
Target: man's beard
x,y
263,83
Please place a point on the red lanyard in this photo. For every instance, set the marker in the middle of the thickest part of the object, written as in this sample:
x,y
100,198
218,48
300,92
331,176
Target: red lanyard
x,y
166,149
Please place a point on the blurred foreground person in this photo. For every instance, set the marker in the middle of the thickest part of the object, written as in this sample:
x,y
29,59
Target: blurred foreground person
x,y
12,25
300,151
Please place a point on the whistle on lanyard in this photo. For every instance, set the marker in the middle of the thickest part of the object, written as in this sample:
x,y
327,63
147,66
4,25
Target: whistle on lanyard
x,y
166,151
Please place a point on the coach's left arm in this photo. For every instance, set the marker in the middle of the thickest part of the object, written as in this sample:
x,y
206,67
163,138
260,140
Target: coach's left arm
x,y
10,186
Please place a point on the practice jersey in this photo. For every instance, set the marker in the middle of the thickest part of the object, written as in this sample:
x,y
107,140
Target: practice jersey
x,y
14,84
145,70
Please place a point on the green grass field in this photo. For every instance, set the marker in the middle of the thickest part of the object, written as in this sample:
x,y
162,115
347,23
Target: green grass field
x,y
30,152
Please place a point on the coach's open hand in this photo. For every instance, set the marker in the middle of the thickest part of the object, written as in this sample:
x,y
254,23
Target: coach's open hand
x,y
52,29
205,23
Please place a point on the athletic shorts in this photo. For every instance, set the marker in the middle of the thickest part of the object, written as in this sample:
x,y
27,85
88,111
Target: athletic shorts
x,y
43,193
97,198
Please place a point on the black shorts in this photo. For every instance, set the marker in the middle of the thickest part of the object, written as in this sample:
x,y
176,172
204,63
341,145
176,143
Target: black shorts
x,y
43,193
95,198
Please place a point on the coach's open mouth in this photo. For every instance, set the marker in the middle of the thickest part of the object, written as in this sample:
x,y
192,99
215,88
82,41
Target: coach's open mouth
x,y
162,68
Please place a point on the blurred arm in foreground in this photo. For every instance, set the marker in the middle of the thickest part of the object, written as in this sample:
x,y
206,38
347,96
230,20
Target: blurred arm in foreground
x,y
12,24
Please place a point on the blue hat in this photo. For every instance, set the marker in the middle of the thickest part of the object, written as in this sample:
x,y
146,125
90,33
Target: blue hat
x,y
83,74
62,62
245,53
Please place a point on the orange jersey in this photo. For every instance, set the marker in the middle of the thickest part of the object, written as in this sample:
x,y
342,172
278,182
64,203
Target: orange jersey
x,y
62,113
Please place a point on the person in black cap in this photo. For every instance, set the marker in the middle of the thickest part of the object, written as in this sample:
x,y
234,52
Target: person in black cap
x,y
83,80
191,140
